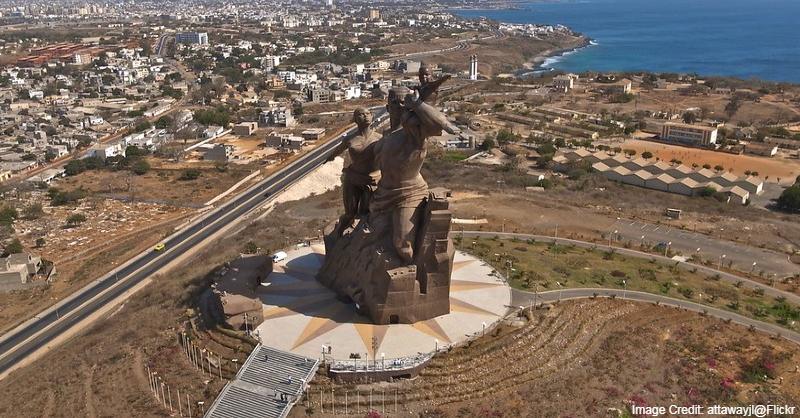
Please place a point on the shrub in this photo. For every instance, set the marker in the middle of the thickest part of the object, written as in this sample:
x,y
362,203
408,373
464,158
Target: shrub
x,y
8,214
14,247
33,211
189,174
60,198
140,167
76,219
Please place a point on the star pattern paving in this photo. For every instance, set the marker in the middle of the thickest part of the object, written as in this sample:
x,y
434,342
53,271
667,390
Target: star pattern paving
x,y
301,315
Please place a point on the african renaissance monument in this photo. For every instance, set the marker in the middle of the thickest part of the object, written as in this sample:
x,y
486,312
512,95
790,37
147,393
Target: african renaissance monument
x,y
390,253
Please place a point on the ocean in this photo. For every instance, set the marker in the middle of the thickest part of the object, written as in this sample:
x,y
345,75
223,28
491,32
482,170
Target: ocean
x,y
738,38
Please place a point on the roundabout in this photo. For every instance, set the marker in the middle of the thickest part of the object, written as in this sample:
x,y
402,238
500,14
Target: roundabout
x,y
302,316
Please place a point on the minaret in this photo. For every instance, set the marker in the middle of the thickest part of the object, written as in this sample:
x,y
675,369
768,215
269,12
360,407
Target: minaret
x,y
473,67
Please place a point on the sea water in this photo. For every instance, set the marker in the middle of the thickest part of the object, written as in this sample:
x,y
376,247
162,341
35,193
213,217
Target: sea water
x,y
739,38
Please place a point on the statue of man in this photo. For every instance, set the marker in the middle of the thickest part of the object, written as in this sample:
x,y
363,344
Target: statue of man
x,y
360,174
402,189
396,98
428,87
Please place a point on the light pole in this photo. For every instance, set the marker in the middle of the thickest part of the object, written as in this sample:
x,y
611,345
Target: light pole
x,y
611,238
436,344
483,329
642,241
383,361
754,267
666,249
560,290
624,288
719,266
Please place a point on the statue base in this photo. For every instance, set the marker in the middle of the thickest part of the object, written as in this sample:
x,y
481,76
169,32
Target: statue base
x,y
362,266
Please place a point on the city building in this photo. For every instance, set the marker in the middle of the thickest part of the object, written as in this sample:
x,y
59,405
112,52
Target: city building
x,y
277,116
686,134
192,38
245,128
563,83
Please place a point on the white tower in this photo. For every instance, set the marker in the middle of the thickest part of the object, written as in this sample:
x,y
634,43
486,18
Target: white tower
x,y
473,67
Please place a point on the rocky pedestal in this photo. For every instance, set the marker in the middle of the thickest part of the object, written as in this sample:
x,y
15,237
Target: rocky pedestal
x,y
362,266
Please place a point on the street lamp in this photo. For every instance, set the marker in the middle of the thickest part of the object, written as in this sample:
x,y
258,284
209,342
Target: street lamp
x,y
754,267
611,238
666,249
483,329
560,290
624,288
719,266
436,344
383,361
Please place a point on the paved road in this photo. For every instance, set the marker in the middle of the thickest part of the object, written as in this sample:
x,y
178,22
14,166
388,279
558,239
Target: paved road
x,y
740,255
524,299
37,331
771,291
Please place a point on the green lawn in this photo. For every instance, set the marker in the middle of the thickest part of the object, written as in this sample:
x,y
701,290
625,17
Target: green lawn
x,y
542,266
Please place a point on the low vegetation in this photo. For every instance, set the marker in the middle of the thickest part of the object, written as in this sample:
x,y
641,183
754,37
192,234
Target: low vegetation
x,y
539,266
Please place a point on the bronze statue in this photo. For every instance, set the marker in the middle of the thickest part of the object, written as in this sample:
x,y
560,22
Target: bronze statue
x,y
394,263
400,155
360,173
428,87
395,100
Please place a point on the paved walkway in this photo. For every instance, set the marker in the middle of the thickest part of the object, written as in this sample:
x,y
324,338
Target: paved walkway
x,y
741,256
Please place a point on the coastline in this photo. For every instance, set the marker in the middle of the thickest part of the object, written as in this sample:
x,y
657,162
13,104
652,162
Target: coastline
x,y
538,64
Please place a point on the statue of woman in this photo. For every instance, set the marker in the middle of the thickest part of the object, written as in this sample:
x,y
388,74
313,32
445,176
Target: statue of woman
x,y
360,174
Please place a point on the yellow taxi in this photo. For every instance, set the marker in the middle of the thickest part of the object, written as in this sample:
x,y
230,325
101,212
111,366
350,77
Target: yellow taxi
x,y
159,247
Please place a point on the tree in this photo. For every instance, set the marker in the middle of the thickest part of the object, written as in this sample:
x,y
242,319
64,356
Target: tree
x,y
8,214
190,174
76,219
790,199
140,167
719,168
505,136
647,155
487,144
707,166
143,126
163,122
707,191
40,242
689,117
14,247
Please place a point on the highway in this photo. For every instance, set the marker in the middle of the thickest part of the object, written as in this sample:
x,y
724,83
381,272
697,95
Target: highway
x,y
25,339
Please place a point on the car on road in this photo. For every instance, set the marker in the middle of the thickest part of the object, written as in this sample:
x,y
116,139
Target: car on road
x,y
159,247
279,256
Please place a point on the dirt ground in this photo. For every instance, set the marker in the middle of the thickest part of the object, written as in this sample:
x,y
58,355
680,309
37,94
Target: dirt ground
x,y
613,352
162,184
585,208
495,55
588,358
100,372
770,169
671,100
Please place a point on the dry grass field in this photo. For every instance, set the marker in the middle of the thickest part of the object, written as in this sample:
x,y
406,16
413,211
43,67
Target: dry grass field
x,y
589,358
770,169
